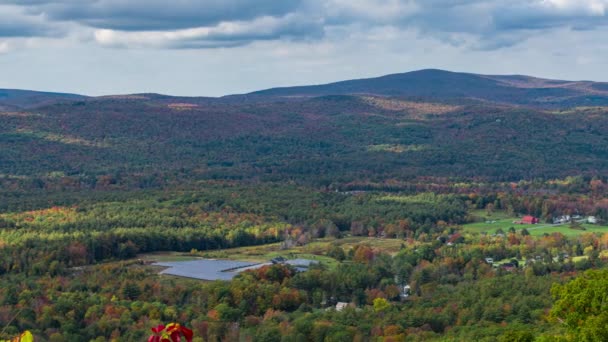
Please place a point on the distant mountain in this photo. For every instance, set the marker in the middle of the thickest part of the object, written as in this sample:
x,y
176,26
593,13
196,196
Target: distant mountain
x,y
446,85
13,99
430,84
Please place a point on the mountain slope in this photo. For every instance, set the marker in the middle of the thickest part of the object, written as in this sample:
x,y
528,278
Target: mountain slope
x,y
13,99
330,139
439,84
324,140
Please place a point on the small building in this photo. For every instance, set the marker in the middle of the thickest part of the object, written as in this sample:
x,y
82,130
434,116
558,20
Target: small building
x,y
278,260
405,292
528,219
490,261
341,306
562,219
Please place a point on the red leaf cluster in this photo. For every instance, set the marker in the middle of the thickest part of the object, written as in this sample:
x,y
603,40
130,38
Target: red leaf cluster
x,y
171,333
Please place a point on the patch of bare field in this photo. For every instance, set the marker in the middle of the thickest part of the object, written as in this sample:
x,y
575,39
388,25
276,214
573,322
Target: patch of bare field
x,y
411,107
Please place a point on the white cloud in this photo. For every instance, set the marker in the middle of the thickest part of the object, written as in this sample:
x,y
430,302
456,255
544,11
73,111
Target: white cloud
x,y
591,7
4,47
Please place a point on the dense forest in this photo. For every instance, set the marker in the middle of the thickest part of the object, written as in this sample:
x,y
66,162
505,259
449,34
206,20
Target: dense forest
x,y
413,206
325,141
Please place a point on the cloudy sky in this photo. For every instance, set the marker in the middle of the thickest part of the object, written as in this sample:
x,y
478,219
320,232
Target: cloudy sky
x,y
217,47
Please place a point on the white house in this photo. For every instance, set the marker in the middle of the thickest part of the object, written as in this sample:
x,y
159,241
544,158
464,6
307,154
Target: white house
x,y
562,219
406,291
341,306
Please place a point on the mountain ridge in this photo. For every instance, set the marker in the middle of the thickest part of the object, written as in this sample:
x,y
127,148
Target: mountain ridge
x,y
435,84
441,84
16,99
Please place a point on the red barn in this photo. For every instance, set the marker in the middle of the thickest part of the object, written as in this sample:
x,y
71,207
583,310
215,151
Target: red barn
x,y
529,220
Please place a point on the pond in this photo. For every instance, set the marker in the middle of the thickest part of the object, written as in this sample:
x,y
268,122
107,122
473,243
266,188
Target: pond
x,y
206,269
213,269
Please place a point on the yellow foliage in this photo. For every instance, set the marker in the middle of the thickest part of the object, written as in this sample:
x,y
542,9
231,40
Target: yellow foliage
x,y
26,336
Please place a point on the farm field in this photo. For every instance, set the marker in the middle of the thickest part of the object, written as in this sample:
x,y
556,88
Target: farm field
x,y
166,257
500,220
316,250
533,229
566,230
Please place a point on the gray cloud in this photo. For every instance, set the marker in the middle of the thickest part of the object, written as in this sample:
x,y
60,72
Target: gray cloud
x,y
146,15
229,34
21,29
492,23
478,24
14,24
503,23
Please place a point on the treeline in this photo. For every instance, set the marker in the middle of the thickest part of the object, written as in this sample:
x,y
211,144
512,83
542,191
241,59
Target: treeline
x,y
55,252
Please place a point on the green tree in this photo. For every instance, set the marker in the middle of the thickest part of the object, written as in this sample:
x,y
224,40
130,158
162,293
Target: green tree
x,y
381,304
517,336
581,306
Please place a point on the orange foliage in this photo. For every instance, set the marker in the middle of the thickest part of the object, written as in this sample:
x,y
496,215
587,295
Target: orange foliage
x,y
363,254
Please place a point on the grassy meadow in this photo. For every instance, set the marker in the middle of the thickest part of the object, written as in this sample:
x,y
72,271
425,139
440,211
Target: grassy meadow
x,y
501,220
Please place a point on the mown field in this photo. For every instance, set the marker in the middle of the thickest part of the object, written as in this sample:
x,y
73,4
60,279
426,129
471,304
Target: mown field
x,y
490,224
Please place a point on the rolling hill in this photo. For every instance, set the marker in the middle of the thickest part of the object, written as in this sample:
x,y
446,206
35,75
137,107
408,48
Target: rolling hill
x,y
449,125
445,85
13,99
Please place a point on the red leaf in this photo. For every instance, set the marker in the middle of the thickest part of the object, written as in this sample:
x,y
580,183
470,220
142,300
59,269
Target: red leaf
x,y
175,336
187,334
154,338
158,329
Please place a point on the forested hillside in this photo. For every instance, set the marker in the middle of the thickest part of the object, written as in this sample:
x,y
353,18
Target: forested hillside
x,y
318,141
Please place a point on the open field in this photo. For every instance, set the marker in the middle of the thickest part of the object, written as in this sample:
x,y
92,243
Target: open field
x,y
500,220
566,230
495,215
313,251
491,223
166,257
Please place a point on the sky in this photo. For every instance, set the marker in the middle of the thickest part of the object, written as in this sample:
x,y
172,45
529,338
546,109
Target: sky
x,y
219,47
